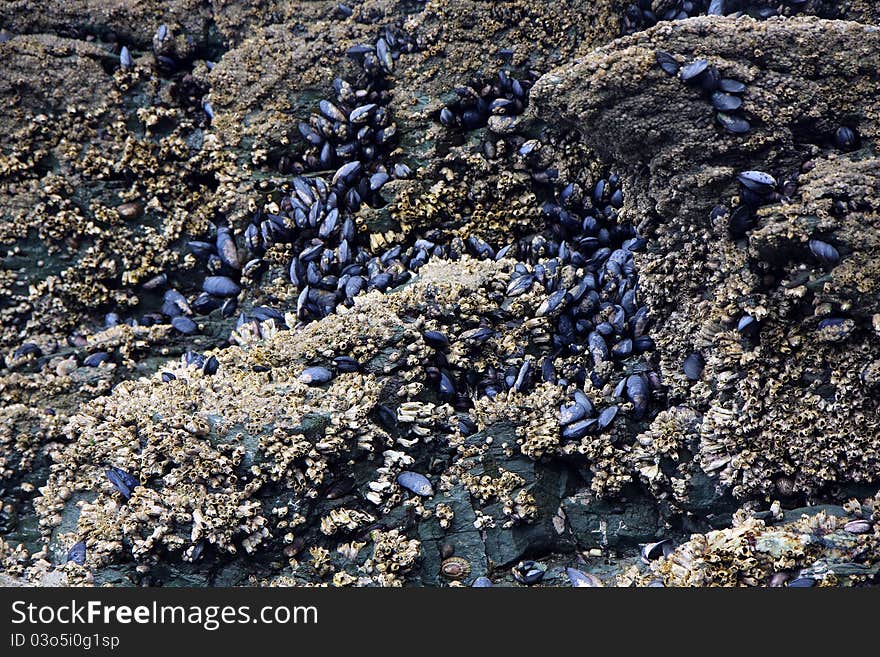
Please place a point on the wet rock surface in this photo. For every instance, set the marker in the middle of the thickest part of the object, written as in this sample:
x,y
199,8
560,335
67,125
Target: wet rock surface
x,y
410,432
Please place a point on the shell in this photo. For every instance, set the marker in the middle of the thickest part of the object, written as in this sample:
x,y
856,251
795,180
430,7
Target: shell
x,y
77,553
725,102
731,86
184,324
667,62
315,375
607,416
211,366
125,60
824,252
845,138
221,286
577,430
654,551
529,572
693,366
693,70
415,483
581,579
570,413
860,526
96,359
802,583
121,480
455,568
733,124
436,339
757,181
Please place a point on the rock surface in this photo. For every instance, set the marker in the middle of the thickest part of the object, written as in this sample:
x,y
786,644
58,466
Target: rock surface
x,y
251,476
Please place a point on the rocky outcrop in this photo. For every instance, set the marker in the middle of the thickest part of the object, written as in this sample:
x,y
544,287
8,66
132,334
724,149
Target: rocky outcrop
x,y
254,459
132,23
792,410
255,474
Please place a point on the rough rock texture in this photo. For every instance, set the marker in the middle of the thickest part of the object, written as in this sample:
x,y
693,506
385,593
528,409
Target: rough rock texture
x,y
131,23
652,124
260,91
796,411
101,185
252,477
248,459
271,80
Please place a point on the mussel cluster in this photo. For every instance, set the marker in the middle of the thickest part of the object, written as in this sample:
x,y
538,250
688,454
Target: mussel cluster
x,y
357,127
725,94
757,188
601,315
488,101
174,56
582,260
355,134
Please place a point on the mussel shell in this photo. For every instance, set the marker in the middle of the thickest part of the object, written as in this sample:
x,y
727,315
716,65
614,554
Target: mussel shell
x,y
693,70
693,366
581,579
667,62
733,124
315,375
77,553
654,551
415,483
757,181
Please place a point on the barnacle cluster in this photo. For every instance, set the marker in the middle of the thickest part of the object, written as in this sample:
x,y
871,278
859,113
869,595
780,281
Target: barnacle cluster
x,y
123,186
215,445
779,309
824,548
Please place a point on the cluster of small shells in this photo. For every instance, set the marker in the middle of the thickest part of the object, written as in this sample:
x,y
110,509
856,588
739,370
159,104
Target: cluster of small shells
x,y
214,442
393,555
797,329
127,232
212,449
810,550
643,14
209,449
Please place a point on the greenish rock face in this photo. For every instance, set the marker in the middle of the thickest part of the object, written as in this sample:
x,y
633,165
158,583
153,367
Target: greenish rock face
x,y
704,497
619,526
495,545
